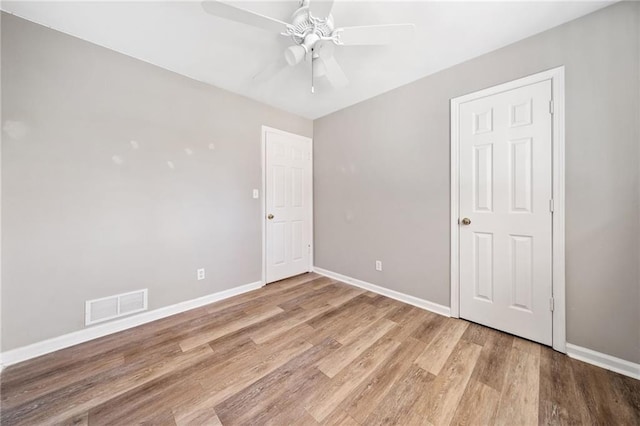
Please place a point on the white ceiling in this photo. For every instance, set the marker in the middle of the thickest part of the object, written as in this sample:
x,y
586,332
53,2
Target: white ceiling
x,y
180,37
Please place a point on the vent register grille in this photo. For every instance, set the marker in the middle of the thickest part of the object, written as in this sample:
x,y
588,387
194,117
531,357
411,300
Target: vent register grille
x,y
106,308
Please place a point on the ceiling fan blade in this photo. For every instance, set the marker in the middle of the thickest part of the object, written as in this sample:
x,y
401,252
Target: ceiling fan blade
x,y
333,71
226,11
320,8
375,34
324,49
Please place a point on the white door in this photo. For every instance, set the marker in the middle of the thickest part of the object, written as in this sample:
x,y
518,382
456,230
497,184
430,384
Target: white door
x,y
288,203
505,179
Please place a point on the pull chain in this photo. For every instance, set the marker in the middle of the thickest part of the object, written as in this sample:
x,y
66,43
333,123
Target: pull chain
x,y
312,88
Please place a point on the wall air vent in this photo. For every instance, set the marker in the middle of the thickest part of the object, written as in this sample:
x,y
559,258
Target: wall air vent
x,y
107,308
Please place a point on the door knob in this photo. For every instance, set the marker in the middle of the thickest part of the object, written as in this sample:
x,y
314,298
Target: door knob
x,y
466,221
270,217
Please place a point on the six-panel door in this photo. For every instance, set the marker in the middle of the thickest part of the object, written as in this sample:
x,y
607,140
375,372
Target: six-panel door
x,y
288,205
505,191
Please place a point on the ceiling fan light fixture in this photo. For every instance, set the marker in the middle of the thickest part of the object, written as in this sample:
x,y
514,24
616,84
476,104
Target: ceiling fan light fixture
x,y
294,54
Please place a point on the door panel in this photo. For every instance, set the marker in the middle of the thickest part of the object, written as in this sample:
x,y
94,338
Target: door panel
x,y
483,266
288,205
521,193
483,179
521,262
505,190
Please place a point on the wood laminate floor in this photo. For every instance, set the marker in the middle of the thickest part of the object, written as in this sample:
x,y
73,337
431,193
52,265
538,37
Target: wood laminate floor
x,y
306,351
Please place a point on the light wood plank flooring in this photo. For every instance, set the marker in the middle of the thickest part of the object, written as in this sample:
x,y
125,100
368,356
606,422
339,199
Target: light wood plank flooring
x,y
306,351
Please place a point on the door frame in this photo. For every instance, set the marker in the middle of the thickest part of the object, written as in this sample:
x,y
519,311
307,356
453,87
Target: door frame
x,y
263,204
556,75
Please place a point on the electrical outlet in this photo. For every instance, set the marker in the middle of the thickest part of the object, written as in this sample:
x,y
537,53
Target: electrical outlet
x,y
378,265
200,274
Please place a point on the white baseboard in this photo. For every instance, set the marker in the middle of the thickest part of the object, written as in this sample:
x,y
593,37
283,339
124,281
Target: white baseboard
x,y
598,359
605,361
56,343
34,350
411,300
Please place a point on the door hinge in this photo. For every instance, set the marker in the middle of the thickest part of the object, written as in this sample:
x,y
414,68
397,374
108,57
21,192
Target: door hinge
x,y
551,304
551,106
551,205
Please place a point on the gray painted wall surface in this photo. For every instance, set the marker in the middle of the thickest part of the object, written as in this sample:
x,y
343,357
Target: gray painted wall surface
x,y
382,176
78,226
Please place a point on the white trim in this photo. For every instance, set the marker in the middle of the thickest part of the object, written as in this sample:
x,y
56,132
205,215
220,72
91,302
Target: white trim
x,y
0,226
556,76
263,203
411,300
455,211
263,174
56,343
559,298
605,361
311,229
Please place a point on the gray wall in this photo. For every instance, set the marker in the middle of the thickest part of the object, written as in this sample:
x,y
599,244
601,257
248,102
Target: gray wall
x,y
78,226
382,176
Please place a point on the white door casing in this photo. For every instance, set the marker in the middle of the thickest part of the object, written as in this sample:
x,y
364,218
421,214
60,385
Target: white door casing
x,y
288,204
507,179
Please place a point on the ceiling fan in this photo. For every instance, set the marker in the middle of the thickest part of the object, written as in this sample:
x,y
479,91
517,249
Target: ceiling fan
x,y
314,34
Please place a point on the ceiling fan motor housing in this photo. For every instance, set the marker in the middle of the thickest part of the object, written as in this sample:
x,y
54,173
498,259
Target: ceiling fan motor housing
x,y
307,30
304,24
